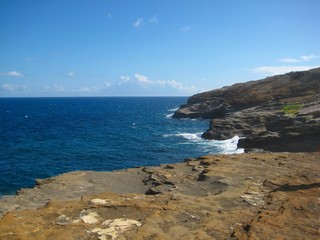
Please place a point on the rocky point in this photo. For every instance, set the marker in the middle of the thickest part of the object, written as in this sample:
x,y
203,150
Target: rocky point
x,y
279,113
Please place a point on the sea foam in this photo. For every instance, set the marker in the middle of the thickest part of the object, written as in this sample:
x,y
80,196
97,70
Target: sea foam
x,y
228,146
171,112
187,136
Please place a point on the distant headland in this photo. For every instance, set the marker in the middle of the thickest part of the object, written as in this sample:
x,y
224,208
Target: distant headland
x,y
279,113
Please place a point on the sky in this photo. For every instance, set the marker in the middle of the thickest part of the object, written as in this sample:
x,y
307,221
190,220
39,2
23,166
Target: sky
x,y
62,48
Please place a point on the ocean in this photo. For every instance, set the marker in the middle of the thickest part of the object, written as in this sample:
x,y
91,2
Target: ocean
x,y
43,137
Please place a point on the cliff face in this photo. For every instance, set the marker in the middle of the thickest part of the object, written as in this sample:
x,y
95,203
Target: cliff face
x,y
280,113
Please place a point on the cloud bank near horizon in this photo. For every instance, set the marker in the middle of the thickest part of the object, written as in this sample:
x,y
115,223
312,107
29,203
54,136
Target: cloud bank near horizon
x,y
136,85
276,70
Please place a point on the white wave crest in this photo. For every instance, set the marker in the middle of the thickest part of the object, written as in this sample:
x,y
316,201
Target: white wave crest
x,y
229,146
171,112
173,109
188,136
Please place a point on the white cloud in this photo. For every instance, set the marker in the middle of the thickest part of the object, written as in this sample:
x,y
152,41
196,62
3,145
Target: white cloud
x,y
308,58
11,74
141,21
138,23
275,70
179,86
145,81
107,85
185,29
13,87
125,78
70,74
290,60
154,19
174,84
58,88
299,59
141,78
93,89
85,89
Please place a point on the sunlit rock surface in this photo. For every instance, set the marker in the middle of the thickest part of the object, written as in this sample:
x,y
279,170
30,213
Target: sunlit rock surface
x,y
246,196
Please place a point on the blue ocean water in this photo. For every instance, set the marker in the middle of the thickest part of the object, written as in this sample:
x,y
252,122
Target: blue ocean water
x,y
43,137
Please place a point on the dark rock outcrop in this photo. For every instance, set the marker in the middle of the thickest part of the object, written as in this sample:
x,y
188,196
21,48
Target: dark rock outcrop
x,y
259,111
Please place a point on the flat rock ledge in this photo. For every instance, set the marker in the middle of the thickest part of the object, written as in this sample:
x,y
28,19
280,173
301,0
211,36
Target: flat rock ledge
x,y
246,196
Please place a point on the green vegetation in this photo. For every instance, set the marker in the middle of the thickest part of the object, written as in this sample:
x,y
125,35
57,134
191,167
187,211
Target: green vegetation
x,y
291,109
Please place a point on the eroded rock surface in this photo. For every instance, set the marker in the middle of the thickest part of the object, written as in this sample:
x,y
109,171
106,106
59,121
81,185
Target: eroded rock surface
x,y
247,196
259,112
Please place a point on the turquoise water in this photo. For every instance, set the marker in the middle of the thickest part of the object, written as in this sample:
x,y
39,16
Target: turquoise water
x,y
43,137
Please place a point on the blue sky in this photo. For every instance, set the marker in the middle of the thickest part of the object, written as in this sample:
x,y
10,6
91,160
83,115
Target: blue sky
x,y
151,47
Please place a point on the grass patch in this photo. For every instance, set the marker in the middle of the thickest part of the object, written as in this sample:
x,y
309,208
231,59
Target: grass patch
x,y
291,109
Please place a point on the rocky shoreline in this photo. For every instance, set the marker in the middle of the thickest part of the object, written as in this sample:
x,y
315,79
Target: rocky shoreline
x,y
280,113
235,197
245,196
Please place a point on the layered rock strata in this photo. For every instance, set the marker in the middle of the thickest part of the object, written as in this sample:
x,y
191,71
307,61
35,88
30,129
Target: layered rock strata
x,y
247,196
280,113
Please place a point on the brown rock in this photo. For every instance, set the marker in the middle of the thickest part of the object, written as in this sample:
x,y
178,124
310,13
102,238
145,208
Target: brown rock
x,y
247,196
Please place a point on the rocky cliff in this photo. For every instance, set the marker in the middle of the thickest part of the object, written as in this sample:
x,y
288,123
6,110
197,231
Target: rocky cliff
x,y
280,113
